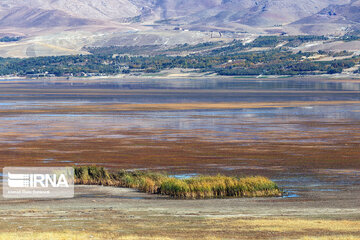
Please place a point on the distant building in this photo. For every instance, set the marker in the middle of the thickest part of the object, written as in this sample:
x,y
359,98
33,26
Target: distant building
x,y
216,34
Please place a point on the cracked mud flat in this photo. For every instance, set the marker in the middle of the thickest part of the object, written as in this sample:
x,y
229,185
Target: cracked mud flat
x,y
304,135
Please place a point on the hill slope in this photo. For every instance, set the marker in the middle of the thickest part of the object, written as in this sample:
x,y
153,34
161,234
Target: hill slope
x,y
36,17
66,26
248,12
343,17
258,13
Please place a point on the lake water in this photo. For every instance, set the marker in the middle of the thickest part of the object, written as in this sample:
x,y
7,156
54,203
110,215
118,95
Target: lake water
x,y
39,119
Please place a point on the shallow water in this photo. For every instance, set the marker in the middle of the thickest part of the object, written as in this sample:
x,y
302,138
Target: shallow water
x,y
184,176
332,126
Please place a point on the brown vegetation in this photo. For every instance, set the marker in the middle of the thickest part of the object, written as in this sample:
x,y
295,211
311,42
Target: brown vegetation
x,y
195,187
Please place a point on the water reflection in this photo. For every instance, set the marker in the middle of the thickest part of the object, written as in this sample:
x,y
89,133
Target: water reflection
x,y
210,83
209,124
297,125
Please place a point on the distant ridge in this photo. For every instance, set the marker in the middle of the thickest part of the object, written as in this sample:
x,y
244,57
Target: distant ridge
x,y
65,27
233,14
25,17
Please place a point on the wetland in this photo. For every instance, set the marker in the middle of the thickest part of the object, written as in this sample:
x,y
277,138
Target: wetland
x,y
302,133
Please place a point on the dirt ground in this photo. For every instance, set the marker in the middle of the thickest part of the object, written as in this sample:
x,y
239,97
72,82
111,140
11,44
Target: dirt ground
x,y
119,212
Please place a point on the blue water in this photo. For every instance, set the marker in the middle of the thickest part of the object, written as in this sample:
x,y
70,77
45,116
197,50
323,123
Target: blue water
x,y
184,176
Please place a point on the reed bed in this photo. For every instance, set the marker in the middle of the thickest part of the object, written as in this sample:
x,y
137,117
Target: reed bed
x,y
197,187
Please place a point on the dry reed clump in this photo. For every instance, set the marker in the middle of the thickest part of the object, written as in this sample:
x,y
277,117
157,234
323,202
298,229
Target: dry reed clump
x,y
193,188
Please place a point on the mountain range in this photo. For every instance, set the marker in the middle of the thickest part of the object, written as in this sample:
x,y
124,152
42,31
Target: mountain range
x,y
154,21
232,14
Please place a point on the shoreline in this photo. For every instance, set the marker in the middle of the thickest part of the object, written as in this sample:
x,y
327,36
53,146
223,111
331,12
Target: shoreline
x,y
167,75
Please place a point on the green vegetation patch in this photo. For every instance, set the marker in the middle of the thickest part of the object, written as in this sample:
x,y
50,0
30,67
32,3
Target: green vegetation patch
x,y
197,187
291,41
233,59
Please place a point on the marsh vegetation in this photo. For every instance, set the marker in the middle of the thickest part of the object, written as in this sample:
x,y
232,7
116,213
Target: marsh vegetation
x,y
191,188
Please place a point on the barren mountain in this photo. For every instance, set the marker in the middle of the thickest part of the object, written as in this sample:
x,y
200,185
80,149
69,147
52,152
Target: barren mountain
x,y
342,18
248,12
258,13
36,17
345,13
90,9
124,22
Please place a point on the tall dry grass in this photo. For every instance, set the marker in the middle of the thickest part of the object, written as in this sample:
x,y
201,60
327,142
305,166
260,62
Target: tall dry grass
x,y
73,236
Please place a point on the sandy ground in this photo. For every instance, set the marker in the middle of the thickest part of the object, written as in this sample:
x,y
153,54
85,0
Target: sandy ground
x,y
127,212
